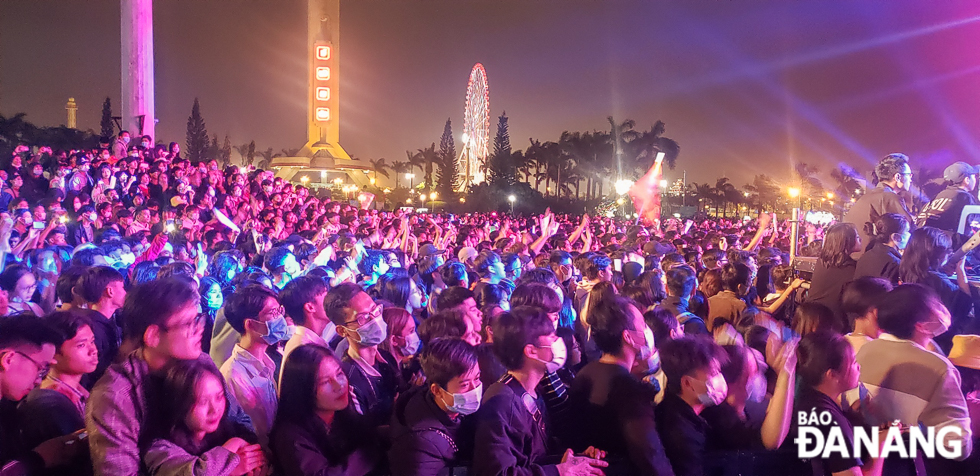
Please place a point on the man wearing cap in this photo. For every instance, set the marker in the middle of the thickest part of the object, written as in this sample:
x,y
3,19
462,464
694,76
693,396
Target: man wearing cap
x,y
894,175
944,211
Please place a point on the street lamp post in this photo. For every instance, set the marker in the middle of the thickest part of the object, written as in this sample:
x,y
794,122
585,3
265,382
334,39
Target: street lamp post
x,y
794,239
511,199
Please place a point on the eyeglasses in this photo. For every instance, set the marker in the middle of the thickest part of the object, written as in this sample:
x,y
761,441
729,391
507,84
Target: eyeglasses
x,y
42,369
276,312
185,326
365,317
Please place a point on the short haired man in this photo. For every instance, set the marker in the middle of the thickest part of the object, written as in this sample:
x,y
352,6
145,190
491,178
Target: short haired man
x,y
372,266
894,175
682,288
27,347
102,289
595,269
426,413
255,313
512,428
615,408
283,266
303,301
162,316
907,382
944,210
859,301
372,372
694,382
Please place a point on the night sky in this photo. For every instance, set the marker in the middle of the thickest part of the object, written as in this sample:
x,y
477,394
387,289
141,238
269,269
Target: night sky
x,y
745,87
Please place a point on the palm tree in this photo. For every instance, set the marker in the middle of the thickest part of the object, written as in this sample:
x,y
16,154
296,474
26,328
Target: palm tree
x,y
267,156
621,134
400,168
645,148
425,159
849,182
704,192
724,191
379,167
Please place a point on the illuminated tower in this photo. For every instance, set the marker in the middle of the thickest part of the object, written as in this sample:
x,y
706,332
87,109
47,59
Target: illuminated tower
x,y
72,113
323,151
136,38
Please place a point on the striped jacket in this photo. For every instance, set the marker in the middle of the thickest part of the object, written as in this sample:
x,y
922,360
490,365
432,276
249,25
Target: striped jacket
x,y
909,383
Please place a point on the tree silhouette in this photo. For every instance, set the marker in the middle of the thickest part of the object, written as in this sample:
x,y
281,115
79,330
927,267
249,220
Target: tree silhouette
x,y
197,135
500,165
447,179
107,129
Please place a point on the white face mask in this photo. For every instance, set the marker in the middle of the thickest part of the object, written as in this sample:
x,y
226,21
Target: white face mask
x,y
647,348
716,389
559,353
466,403
412,343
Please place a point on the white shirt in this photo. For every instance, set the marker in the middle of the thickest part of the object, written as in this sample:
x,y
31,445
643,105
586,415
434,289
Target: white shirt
x,y
252,380
301,336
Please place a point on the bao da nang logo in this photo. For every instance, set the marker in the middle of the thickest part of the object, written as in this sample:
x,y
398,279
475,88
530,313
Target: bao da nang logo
x,y
820,437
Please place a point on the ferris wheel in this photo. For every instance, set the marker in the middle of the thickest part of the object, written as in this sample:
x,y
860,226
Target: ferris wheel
x,y
476,129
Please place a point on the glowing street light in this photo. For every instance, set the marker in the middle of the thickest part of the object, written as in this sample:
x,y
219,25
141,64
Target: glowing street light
x,y
793,192
830,195
433,196
338,180
511,199
304,179
462,199
373,181
422,197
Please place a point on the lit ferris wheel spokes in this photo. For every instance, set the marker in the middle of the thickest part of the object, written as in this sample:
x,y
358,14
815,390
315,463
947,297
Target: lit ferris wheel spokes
x,y
476,128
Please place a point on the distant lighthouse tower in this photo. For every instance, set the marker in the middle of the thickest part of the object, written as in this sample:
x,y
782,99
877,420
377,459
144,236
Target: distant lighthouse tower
x,y
72,114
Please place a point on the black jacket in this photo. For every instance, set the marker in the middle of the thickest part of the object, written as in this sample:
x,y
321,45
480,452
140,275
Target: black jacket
x,y
308,449
878,201
424,440
684,435
375,396
827,286
881,261
108,337
15,457
509,438
615,413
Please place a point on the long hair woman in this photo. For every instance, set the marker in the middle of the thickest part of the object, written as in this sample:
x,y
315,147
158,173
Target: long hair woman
x,y
922,263
890,236
194,434
316,432
835,267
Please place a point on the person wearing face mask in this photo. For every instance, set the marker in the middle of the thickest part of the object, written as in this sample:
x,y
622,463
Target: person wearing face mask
x,y
372,372
744,421
694,382
891,234
255,312
614,408
121,144
907,381
512,426
83,229
425,426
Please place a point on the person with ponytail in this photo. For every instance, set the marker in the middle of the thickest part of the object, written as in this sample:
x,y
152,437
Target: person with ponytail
x,y
890,234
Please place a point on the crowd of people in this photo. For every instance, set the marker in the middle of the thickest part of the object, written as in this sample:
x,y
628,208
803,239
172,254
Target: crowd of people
x,y
170,318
